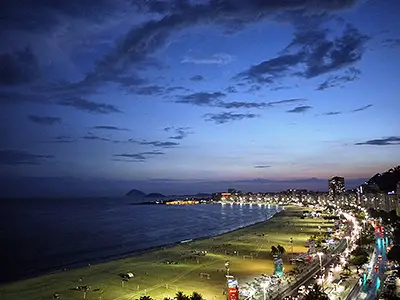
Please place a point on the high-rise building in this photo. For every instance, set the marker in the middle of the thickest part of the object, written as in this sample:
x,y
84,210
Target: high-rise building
x,y
336,187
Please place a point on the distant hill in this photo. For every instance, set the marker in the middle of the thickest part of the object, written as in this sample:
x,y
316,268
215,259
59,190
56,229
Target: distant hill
x,y
155,195
135,194
385,182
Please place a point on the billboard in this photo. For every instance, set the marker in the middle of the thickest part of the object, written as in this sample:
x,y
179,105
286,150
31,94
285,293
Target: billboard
x,y
233,291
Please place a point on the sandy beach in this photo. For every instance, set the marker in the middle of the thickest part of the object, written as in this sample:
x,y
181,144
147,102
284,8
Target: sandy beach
x,y
193,266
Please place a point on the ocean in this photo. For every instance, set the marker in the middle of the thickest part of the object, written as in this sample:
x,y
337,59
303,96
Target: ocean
x,y
39,236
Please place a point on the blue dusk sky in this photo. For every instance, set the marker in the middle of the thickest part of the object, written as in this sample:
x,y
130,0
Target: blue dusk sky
x,y
178,96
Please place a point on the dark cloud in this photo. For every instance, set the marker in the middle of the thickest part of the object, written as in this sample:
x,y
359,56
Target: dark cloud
x,y
391,43
332,113
106,127
226,117
140,42
93,137
136,157
157,143
20,157
267,71
90,106
45,15
286,101
180,132
389,141
337,81
176,88
240,104
311,54
362,108
61,139
150,90
44,120
18,67
197,78
231,89
262,167
300,109
201,98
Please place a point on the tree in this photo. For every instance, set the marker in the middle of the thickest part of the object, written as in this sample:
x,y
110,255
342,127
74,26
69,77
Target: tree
x,y
196,296
316,294
274,250
278,250
358,261
281,250
359,251
145,298
181,296
346,269
394,253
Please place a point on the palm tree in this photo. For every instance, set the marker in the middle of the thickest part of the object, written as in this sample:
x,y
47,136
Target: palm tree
x,y
181,296
281,250
274,251
145,298
196,296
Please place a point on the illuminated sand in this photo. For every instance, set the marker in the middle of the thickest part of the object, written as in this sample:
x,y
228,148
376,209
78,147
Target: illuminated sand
x,y
156,278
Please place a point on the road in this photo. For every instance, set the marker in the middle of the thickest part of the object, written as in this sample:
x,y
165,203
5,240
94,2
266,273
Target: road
x,y
308,277
369,293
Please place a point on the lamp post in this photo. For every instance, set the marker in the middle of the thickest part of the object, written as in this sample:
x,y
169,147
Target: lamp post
x,y
264,286
320,261
227,267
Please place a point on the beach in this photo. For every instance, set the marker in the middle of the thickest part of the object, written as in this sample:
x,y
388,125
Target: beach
x,y
197,265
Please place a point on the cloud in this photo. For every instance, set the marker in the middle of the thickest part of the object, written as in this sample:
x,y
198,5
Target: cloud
x,y
90,106
197,78
311,54
61,139
106,127
156,143
286,101
240,104
44,120
362,108
225,117
262,167
74,23
391,43
20,157
150,90
334,81
180,132
216,59
300,109
136,157
231,89
93,137
201,98
18,67
389,141
333,113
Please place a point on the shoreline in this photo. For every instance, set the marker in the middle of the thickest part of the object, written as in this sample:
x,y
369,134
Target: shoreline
x,y
161,273
110,258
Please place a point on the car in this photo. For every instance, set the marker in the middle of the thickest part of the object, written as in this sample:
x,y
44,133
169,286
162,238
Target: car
x,y
380,257
376,268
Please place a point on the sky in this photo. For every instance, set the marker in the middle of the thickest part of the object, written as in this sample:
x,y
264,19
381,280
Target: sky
x,y
179,97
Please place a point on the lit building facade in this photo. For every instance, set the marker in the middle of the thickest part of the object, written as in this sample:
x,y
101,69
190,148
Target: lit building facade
x,y
336,187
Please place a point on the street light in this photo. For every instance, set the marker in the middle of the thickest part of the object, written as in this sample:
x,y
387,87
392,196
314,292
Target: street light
x,y
264,286
320,261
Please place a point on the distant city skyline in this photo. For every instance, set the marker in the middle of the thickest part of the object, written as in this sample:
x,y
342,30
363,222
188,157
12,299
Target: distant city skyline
x,y
177,96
